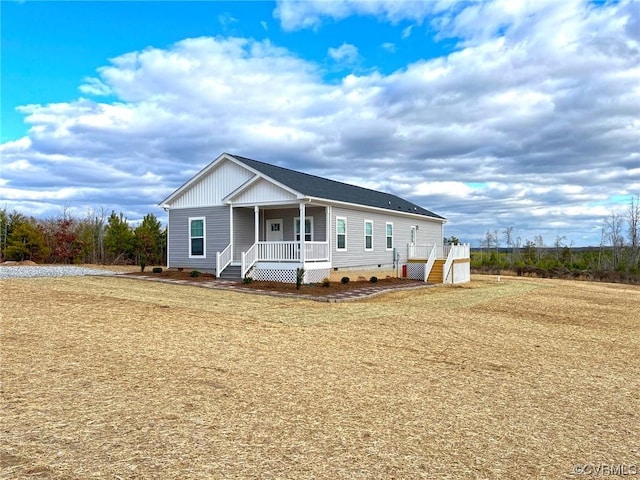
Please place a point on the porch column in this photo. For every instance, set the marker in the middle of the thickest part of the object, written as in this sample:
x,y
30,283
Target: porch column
x,y
256,223
302,232
231,229
327,210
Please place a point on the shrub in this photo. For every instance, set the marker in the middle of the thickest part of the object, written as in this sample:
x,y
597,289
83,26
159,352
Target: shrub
x,y
194,273
157,270
373,279
247,280
345,280
326,282
299,277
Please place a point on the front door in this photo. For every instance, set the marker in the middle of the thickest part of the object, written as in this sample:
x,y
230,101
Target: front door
x,y
274,230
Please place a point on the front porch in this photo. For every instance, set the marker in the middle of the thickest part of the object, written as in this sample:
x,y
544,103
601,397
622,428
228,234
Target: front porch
x,y
267,242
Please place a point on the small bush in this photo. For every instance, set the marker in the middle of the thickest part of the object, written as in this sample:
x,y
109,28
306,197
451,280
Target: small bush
x,y
345,280
373,279
194,273
247,280
326,282
157,270
299,277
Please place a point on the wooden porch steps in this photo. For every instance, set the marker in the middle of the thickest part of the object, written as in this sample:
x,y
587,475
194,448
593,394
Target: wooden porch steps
x,y
435,276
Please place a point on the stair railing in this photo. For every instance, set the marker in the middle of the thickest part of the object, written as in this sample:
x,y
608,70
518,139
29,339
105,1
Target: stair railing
x,y
223,259
429,265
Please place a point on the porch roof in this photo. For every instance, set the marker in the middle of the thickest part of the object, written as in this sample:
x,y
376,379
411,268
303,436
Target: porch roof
x,y
324,188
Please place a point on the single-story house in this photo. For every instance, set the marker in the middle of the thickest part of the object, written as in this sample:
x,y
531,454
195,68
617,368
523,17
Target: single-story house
x,y
239,217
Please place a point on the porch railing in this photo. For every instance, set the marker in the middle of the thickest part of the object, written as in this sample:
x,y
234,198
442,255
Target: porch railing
x,y
223,259
419,251
314,251
290,251
283,252
459,251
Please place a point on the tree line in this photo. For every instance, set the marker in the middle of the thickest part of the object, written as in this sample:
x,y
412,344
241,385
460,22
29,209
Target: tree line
x,y
617,258
95,238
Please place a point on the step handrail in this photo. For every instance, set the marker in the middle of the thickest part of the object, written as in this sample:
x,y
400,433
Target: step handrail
x,y
223,259
429,265
448,264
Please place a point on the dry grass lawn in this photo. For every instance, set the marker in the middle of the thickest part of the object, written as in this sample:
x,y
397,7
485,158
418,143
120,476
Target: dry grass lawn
x,y
122,378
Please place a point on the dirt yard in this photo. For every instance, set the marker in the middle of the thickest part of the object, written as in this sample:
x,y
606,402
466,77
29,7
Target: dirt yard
x,y
121,378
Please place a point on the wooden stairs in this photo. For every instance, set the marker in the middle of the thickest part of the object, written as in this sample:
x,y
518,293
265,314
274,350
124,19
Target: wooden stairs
x,y
435,276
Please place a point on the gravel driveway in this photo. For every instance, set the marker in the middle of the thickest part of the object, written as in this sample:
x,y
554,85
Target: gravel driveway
x,y
24,271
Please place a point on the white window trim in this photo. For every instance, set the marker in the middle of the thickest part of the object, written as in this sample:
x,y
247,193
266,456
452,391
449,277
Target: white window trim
x,y
346,229
386,236
413,235
365,236
295,222
204,236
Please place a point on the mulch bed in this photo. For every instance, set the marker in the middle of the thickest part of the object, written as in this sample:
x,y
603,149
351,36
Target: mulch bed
x,y
315,289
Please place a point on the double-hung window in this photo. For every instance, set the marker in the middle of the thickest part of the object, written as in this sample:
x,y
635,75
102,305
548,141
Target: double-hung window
x,y
389,236
308,229
368,235
341,233
197,237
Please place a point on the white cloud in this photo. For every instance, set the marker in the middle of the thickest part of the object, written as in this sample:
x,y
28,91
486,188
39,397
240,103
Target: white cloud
x,y
389,47
514,128
94,86
345,53
406,32
294,14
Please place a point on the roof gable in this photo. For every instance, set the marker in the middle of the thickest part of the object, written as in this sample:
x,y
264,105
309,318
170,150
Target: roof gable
x,y
260,190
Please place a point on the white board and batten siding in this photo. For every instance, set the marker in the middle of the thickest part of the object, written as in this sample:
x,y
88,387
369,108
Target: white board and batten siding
x,y
355,255
263,192
213,187
216,236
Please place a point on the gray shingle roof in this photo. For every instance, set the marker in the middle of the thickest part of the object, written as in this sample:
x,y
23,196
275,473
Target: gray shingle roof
x,y
319,187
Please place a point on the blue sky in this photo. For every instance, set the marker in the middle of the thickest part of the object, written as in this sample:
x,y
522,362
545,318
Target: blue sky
x,y
491,113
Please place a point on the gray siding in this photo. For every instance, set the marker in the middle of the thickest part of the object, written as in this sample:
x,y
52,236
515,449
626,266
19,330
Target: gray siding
x,y
243,234
288,214
356,255
216,236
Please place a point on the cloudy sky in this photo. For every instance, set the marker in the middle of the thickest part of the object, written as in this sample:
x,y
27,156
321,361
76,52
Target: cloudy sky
x,y
492,114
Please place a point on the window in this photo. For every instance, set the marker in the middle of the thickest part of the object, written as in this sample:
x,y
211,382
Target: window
x,y
414,234
308,229
389,236
341,233
196,237
368,235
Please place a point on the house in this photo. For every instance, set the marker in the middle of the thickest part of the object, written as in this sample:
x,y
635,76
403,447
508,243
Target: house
x,y
239,217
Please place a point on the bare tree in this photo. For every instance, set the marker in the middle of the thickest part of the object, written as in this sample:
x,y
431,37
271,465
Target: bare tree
x,y
558,244
539,241
613,234
508,236
633,231
517,245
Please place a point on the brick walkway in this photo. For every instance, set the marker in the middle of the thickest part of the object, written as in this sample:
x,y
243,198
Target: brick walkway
x,y
355,294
